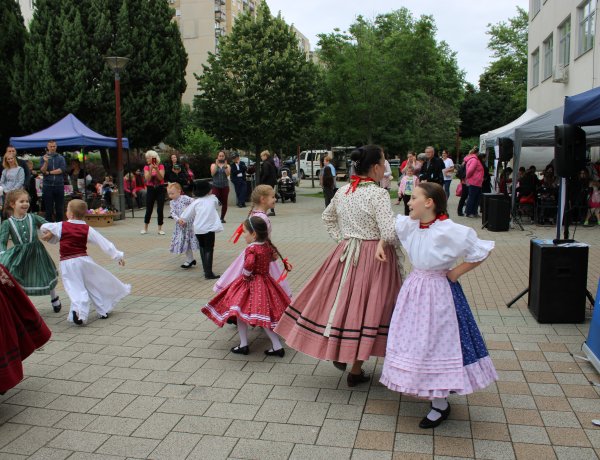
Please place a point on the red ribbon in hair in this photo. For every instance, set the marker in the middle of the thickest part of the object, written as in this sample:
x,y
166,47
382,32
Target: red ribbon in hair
x,y
236,235
287,267
355,180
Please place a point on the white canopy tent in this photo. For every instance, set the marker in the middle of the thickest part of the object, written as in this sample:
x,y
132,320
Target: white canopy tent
x,y
489,139
539,132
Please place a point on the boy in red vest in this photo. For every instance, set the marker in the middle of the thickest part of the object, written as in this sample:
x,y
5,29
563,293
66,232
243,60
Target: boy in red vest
x,y
83,279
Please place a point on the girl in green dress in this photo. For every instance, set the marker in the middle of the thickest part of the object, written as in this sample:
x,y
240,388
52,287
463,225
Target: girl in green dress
x,y
27,260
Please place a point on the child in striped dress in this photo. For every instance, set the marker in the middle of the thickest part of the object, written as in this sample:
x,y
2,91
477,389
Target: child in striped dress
x,y
27,260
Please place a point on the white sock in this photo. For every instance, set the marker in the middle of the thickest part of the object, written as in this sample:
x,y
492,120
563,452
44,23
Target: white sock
x,y
189,256
274,339
438,403
243,332
54,296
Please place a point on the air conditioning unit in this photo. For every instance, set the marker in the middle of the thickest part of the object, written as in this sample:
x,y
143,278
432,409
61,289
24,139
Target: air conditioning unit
x,y
560,74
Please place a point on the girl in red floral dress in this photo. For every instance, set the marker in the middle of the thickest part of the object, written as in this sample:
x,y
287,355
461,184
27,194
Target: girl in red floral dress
x,y
254,298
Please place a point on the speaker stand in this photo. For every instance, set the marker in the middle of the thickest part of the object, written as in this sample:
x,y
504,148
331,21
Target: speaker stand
x,y
588,294
521,294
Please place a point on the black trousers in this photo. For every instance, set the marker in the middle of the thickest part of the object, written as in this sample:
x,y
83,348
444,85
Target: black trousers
x,y
155,194
328,193
206,240
463,199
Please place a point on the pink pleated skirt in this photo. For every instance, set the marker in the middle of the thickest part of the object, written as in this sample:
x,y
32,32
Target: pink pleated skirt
x,y
365,302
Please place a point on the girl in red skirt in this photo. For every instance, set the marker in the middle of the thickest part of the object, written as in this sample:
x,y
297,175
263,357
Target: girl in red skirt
x,y
254,298
22,330
343,312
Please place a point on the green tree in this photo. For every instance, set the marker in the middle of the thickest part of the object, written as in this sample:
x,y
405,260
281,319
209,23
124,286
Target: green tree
x,y
502,94
390,81
65,70
12,44
259,89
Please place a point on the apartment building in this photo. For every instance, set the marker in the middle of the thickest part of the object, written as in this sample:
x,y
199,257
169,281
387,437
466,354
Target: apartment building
x,y
202,23
564,56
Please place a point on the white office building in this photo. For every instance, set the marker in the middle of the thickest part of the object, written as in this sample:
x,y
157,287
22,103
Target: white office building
x,y
564,56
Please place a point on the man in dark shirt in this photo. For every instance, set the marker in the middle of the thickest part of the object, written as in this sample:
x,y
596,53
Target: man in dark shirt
x,y
432,170
53,190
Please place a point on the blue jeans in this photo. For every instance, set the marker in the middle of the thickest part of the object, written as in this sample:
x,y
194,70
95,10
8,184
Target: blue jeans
x,y
240,192
473,200
53,197
447,187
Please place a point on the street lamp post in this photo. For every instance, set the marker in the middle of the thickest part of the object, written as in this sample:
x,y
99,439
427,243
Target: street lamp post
x,y
117,64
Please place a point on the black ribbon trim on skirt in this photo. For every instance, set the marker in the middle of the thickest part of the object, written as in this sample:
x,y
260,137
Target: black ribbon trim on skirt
x,y
341,330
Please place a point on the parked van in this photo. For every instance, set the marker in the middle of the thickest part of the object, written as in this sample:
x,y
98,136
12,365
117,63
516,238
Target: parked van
x,y
310,163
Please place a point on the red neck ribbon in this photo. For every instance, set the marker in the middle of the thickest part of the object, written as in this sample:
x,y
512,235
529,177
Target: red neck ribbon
x,y
355,180
428,224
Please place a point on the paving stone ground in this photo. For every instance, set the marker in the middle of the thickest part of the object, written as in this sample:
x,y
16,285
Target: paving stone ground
x,y
157,380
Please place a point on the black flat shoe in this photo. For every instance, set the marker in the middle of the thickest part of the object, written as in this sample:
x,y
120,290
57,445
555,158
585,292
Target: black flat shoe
x,y
76,319
341,366
56,308
356,379
241,350
211,276
102,316
280,352
426,423
188,264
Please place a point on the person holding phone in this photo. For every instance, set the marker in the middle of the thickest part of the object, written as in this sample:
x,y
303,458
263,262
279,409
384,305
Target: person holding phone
x,y
154,178
220,172
53,190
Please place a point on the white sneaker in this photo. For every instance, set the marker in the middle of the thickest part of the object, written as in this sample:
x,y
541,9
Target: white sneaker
x,y
161,233
143,232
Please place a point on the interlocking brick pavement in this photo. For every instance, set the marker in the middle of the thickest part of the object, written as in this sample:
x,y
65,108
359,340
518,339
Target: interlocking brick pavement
x,y
157,380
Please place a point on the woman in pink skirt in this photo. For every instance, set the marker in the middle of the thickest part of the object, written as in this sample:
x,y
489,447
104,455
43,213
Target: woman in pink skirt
x,y
435,347
343,312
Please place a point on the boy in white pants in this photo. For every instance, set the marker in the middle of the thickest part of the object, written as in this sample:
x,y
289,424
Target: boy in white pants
x,y
83,279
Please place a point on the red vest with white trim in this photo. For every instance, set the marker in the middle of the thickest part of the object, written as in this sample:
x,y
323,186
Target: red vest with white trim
x,y
73,240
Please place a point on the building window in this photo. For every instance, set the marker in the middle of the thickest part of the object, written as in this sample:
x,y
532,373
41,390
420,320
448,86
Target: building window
x,y
535,68
536,6
564,43
548,51
587,16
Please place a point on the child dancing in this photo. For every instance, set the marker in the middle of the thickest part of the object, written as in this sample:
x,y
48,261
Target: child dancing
x,y
263,200
434,346
206,222
22,330
254,298
82,278
27,261
184,241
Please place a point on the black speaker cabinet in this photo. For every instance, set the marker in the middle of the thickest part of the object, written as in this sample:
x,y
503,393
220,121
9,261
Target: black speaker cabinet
x,y
495,212
569,150
505,149
557,282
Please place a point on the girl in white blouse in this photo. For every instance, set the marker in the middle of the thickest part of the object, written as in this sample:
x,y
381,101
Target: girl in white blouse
x,y
434,346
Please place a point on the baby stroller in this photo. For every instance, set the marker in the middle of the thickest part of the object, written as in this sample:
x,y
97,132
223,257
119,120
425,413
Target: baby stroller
x,y
286,189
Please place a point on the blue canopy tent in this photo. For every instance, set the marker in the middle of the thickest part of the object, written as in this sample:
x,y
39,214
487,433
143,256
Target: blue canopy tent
x,y
71,132
68,132
583,109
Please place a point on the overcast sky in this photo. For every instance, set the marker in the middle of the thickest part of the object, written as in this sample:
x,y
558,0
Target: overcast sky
x,y
461,23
